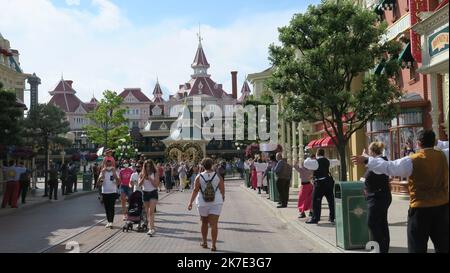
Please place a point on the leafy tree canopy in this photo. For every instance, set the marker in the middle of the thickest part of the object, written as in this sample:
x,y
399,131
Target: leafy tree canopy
x,y
108,121
324,53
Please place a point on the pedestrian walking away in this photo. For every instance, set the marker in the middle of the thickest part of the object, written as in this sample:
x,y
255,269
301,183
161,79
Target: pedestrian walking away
x,y
168,177
379,198
149,181
427,172
209,202
182,174
109,182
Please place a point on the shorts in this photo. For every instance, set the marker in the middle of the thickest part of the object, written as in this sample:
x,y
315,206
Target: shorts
x,y
205,211
150,195
126,190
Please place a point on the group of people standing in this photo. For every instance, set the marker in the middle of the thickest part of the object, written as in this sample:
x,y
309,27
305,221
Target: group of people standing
x,y
427,173
17,179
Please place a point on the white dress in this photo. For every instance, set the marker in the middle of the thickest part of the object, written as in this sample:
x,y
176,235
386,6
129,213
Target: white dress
x,y
260,169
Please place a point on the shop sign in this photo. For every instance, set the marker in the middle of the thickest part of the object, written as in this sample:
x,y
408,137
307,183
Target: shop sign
x,y
438,42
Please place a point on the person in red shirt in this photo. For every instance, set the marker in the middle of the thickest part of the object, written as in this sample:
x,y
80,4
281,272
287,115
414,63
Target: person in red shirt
x,y
125,186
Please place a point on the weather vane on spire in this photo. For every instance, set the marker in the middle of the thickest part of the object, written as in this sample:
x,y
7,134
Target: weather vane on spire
x,y
199,34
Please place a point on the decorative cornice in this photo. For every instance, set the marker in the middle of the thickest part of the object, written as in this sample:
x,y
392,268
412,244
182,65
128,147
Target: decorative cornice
x,y
436,20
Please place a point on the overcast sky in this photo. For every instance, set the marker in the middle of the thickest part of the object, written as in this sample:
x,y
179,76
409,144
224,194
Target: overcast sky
x,y
114,44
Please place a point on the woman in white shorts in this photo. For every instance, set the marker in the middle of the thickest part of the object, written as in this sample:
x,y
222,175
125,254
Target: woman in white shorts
x,y
209,211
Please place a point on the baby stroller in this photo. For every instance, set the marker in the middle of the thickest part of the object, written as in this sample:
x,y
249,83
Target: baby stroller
x,y
135,214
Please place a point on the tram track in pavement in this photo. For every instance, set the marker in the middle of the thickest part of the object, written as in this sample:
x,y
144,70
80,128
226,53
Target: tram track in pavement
x,y
70,244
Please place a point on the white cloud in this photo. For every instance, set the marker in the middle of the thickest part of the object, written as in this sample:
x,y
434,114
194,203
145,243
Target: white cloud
x,y
73,2
104,50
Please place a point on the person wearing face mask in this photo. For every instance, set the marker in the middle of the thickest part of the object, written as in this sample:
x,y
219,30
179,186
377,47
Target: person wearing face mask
x,y
125,186
109,181
134,180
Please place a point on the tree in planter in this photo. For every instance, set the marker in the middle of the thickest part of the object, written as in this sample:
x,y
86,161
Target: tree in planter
x,y
10,118
323,51
45,123
108,119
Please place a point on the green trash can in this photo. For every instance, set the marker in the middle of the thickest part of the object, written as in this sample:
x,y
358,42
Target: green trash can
x,y
87,181
247,178
273,190
352,231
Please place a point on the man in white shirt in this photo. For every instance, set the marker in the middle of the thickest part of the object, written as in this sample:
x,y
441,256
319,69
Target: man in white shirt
x,y
323,185
427,173
134,180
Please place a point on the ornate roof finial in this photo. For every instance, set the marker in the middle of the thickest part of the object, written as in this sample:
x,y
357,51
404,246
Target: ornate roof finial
x,y
199,35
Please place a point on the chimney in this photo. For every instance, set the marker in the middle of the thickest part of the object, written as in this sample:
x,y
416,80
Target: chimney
x,y
69,83
234,84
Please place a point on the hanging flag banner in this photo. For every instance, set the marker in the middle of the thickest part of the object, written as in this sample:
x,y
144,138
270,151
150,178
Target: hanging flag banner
x,y
416,7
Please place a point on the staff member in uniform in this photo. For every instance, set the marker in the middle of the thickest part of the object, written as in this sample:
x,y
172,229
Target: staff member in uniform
x,y
427,173
379,198
323,186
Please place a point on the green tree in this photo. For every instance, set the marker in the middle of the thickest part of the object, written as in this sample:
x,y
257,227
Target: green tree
x,y
45,123
108,121
10,118
323,52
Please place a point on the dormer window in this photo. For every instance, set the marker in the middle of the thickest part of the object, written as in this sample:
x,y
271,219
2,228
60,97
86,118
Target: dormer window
x,y
156,111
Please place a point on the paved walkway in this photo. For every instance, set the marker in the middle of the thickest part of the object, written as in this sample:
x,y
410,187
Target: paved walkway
x,y
244,227
35,198
325,233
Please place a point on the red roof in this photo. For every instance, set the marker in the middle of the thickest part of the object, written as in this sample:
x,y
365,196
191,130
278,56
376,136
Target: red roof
x,y
157,90
64,97
200,58
202,86
63,86
158,100
69,103
137,93
245,92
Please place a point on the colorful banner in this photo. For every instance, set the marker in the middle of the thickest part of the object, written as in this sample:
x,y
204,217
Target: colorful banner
x,y
415,7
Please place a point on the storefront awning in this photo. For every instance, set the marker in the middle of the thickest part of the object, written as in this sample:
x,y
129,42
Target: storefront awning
x,y
387,4
328,142
311,144
379,68
405,58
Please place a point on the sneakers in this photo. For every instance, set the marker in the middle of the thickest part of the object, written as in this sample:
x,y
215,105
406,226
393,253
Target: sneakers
x,y
109,225
151,232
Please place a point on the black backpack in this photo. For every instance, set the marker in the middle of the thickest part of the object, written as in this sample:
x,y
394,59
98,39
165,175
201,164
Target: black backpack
x,y
209,194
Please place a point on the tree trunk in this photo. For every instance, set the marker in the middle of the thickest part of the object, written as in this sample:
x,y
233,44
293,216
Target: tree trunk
x,y
342,155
